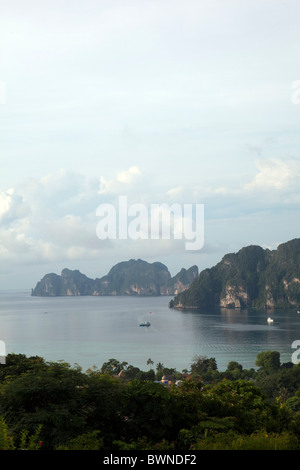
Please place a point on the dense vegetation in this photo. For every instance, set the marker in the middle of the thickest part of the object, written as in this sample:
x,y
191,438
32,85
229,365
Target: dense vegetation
x,y
133,277
252,277
58,407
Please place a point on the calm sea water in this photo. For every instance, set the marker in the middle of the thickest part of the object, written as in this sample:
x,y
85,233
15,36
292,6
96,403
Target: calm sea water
x,y
90,330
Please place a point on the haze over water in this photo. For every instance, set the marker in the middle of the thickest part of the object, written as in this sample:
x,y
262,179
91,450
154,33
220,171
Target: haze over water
x,y
90,330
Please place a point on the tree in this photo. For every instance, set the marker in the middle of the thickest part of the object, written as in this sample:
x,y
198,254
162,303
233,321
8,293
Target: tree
x,y
49,396
202,365
113,367
131,372
234,370
103,405
24,440
268,361
87,441
159,370
150,362
233,365
242,400
17,364
149,410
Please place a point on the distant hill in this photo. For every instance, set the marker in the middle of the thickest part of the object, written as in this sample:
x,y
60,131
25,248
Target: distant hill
x,y
133,277
252,277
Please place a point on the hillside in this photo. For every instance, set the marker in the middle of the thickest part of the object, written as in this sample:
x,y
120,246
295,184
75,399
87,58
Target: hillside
x,y
252,277
133,277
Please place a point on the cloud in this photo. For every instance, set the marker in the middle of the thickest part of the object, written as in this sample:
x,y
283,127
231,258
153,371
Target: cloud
x,y
121,182
53,219
173,193
275,174
13,244
60,220
272,190
48,217
12,206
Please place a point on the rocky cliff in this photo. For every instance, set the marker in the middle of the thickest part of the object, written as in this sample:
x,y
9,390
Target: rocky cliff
x,y
252,277
133,277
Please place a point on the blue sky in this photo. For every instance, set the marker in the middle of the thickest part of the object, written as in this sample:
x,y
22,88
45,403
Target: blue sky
x,y
164,101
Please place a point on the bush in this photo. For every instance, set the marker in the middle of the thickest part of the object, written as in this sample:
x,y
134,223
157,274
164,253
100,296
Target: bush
x,y
256,441
88,441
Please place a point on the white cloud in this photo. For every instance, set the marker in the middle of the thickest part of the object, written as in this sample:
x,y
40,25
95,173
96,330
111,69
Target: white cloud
x,y
12,206
162,100
274,174
128,176
173,193
121,182
5,204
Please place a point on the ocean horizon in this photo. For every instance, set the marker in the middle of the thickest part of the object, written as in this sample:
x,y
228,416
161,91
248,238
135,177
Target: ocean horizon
x,y
89,330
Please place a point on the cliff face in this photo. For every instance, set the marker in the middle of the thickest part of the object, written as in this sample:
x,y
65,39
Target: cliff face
x,y
68,283
235,296
133,277
182,280
50,285
253,277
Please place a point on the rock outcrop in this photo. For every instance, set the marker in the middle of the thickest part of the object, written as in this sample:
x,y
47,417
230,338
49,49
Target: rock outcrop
x,y
133,277
252,277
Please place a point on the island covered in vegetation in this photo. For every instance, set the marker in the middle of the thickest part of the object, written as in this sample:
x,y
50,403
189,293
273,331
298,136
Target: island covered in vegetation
x,y
252,277
53,406
133,277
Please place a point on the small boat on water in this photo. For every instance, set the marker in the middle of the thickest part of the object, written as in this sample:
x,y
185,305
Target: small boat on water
x,y
270,320
146,323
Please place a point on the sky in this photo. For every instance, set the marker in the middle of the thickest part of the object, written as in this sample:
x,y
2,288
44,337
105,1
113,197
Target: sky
x,y
161,101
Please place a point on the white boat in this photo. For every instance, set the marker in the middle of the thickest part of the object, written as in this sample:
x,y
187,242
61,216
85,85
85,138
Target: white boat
x,y
270,320
146,323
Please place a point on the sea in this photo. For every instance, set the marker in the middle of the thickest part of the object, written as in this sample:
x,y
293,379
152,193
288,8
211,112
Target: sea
x,y
88,331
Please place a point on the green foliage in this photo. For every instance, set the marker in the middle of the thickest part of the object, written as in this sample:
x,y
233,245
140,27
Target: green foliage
x,y
144,444
102,404
113,367
17,364
47,396
260,440
202,365
88,441
31,442
25,441
54,406
133,277
263,275
268,361
148,410
187,437
6,440
241,400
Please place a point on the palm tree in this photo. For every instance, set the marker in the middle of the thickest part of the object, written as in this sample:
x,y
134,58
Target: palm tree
x,y
159,367
150,362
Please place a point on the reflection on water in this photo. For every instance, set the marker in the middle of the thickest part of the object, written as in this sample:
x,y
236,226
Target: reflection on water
x,y
91,330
